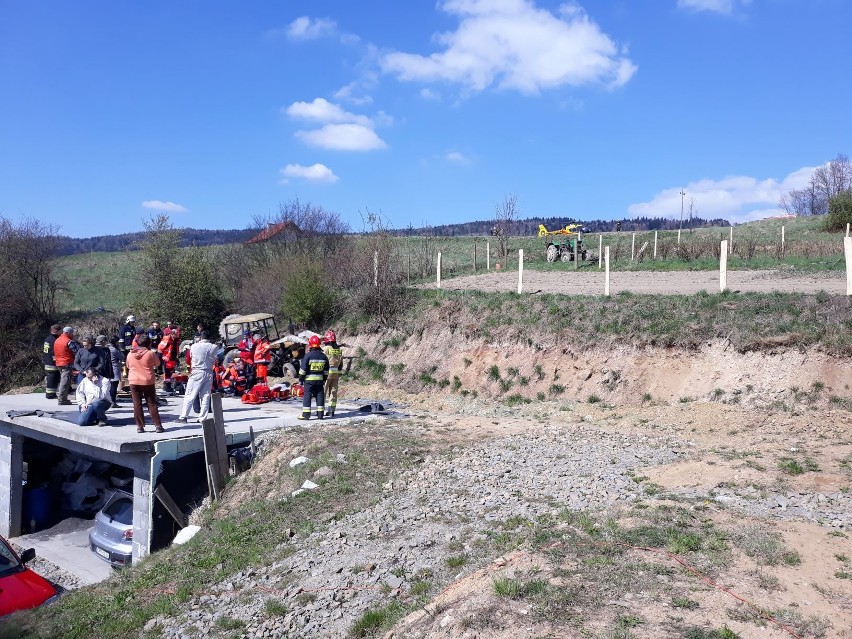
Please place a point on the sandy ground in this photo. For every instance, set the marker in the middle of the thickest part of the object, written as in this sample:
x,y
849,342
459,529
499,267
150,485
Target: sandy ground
x,y
591,282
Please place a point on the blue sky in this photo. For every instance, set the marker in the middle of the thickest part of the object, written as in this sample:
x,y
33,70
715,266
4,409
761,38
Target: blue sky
x,y
430,113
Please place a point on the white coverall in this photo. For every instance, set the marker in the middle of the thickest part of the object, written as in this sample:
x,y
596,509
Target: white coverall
x,y
202,356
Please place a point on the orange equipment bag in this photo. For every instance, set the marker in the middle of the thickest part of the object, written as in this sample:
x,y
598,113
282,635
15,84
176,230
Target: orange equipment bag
x,y
297,390
259,394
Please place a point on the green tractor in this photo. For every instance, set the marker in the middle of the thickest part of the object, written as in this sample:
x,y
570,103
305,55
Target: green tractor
x,y
560,243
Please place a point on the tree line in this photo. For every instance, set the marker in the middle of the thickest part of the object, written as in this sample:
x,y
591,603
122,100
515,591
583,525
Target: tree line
x,y
529,226
130,241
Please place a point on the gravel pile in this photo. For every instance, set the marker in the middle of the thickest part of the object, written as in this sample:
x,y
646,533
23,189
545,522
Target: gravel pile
x,y
444,507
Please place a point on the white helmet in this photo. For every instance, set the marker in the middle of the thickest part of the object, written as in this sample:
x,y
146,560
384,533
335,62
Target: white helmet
x,y
131,318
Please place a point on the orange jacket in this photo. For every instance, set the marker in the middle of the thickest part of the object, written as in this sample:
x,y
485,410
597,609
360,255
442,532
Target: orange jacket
x,y
165,348
261,352
62,355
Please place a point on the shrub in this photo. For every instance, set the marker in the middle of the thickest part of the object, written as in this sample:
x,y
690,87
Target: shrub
x,y
839,212
308,298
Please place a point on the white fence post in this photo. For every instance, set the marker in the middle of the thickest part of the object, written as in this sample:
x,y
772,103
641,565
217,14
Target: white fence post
x,y
606,271
782,241
488,256
731,242
847,249
376,269
723,267
655,245
847,229
678,237
633,248
600,251
520,271
439,269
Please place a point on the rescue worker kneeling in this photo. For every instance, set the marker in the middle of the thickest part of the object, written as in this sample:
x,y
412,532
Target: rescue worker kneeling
x,y
234,378
313,373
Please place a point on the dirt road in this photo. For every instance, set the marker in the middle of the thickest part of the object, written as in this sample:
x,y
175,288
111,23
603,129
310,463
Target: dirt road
x,y
669,282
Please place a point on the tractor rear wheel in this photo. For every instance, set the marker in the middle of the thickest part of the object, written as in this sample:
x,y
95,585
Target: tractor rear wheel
x,y
566,256
230,356
552,252
289,371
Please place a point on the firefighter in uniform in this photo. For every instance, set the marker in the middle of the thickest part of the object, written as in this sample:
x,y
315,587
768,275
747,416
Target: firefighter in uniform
x,y
127,334
335,369
313,373
51,373
262,357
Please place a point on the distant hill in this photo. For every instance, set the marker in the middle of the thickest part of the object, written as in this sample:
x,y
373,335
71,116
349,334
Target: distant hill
x,y
529,226
212,237
128,241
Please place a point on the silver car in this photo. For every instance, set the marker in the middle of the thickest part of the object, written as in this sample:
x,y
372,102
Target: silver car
x,y
111,539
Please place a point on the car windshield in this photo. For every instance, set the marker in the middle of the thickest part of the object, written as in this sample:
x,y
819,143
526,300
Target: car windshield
x,y
8,561
121,510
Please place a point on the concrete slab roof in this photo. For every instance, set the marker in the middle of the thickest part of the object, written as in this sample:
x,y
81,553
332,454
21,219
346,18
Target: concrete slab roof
x,y
120,435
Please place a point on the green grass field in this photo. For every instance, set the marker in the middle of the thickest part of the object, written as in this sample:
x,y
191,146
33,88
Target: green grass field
x,y
757,245
109,280
96,280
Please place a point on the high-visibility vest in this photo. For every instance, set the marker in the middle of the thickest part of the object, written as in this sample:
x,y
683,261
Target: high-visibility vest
x,y
62,353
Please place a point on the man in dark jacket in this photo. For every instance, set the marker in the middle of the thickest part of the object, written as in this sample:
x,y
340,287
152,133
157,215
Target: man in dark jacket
x,y
51,372
313,373
155,333
103,353
86,357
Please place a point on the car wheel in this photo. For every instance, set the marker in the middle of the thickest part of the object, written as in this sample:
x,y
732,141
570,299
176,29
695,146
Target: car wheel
x,y
289,371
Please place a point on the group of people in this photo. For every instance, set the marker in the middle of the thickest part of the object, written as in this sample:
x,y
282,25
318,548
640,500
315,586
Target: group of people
x,y
99,364
139,354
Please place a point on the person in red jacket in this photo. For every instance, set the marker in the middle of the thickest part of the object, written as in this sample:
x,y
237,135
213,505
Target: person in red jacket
x,y
63,355
246,347
262,357
167,354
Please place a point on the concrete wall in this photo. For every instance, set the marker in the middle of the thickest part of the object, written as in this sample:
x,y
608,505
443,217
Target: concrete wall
x,y
11,490
142,509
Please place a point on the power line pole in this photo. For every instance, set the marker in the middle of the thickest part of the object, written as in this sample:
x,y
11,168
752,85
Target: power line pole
x,y
682,193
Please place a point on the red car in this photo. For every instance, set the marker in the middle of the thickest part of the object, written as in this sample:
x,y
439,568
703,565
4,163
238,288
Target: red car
x,y
20,587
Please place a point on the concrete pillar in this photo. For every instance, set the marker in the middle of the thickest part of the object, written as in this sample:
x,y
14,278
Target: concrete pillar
x,y
11,490
141,516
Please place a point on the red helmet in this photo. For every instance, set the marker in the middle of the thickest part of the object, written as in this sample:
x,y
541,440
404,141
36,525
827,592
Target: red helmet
x,y
330,337
314,342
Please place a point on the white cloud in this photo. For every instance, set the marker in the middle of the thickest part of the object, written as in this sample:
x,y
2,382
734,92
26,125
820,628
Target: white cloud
x,y
428,94
354,93
322,110
736,198
306,28
343,137
515,45
314,173
165,207
341,130
725,7
457,157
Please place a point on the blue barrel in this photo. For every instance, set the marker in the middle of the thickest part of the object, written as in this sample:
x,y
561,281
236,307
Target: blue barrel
x,y
36,509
